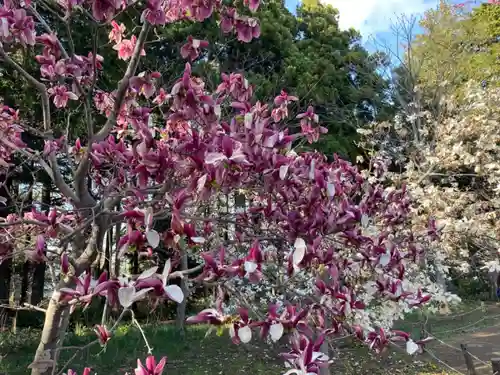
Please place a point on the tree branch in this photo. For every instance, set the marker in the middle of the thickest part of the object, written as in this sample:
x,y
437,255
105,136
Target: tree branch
x,y
123,86
53,170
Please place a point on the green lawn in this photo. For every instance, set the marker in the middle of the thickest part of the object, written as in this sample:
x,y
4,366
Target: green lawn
x,y
192,355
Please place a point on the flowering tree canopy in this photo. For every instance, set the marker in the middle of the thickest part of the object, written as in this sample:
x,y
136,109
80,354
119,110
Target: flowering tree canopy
x,y
453,172
334,245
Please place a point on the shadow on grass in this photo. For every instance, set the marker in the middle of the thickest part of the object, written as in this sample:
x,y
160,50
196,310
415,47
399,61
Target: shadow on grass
x,y
192,354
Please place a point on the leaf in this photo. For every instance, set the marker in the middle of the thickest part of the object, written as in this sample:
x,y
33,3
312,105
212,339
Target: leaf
x,y
153,238
174,292
126,296
147,273
299,252
220,331
245,334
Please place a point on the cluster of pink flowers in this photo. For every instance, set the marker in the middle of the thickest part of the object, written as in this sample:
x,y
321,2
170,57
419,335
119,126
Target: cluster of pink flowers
x,y
10,133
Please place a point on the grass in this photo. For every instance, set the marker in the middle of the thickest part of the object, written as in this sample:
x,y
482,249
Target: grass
x,y
192,354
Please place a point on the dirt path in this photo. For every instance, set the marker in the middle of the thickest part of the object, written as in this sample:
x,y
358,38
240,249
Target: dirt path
x,y
483,344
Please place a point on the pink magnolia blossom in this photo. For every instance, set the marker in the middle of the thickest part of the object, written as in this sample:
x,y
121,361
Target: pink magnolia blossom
x,y
155,13
161,98
61,96
102,334
104,10
191,49
116,33
143,84
126,48
253,5
151,367
247,28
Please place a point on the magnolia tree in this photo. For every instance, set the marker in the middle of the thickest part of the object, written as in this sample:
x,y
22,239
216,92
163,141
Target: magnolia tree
x,y
333,248
453,172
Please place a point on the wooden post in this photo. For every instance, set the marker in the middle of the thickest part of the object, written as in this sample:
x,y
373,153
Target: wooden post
x,y
471,370
495,365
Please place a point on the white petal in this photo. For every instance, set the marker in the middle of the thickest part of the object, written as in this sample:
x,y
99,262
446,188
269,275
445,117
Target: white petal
x,y
153,238
126,296
319,356
311,171
232,333
174,292
217,110
141,294
166,270
245,334
300,251
250,267
148,273
198,239
411,347
214,157
384,260
201,182
399,290
276,331
330,189
365,220
283,171
248,120
148,217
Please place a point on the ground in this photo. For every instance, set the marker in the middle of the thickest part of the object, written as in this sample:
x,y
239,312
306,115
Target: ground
x,y
196,354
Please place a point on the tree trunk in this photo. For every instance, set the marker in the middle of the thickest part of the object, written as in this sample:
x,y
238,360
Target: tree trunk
x,y
5,248
58,313
37,289
51,335
25,282
181,307
38,285
5,276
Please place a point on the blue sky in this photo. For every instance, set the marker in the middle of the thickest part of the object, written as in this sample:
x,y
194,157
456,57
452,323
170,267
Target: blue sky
x,y
373,18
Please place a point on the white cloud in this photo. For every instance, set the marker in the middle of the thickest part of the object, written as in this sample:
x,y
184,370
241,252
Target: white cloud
x,y
374,16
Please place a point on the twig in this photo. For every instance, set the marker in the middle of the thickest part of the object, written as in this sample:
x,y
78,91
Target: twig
x,y
25,307
79,349
134,320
